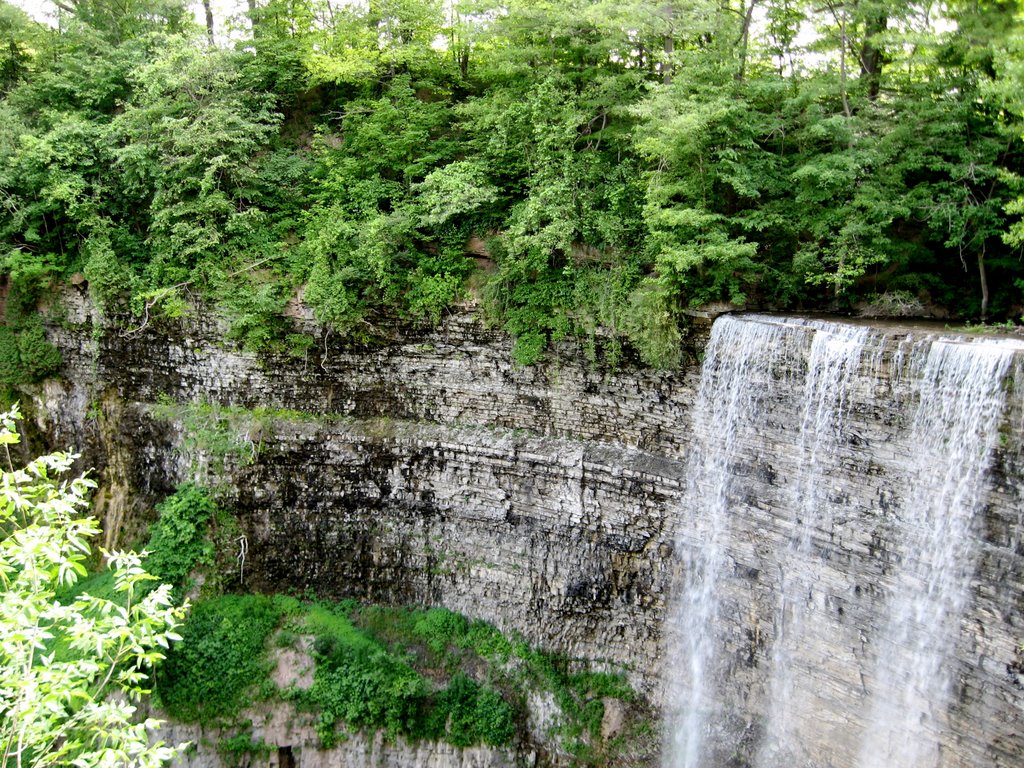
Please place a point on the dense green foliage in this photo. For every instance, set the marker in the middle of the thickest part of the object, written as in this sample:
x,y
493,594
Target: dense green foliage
x,y
209,675
370,672
422,674
597,167
25,354
179,540
73,661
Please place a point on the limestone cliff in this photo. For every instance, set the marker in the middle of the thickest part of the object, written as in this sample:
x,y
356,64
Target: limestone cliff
x,y
553,500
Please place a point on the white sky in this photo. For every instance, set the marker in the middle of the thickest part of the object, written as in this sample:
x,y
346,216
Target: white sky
x,y
45,11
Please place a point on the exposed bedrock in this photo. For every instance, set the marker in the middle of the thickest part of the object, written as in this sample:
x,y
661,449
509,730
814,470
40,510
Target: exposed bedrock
x,y
562,501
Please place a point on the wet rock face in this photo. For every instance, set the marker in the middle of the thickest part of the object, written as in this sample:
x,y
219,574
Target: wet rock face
x,y
552,501
436,471
562,540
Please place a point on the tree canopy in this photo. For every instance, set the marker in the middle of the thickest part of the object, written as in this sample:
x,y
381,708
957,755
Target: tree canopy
x,y
589,168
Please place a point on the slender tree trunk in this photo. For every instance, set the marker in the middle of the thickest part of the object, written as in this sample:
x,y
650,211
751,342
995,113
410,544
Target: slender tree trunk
x,y
984,285
842,66
744,38
209,20
459,46
838,291
669,45
251,4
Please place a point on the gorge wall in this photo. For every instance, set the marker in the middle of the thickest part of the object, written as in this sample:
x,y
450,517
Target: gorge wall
x,y
566,502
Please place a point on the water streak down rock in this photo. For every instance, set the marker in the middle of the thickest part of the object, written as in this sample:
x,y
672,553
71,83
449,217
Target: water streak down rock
x,y
739,371
955,429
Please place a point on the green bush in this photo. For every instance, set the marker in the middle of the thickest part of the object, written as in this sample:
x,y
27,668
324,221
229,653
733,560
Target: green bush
x,y
367,676
439,628
466,713
358,681
369,688
220,662
421,674
485,640
238,750
26,356
110,280
178,541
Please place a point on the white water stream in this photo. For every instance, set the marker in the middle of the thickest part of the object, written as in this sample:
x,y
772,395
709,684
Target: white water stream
x,y
740,368
833,366
948,444
954,432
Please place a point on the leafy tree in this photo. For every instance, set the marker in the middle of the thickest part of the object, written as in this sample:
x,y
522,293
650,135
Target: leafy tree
x,y
70,668
126,19
17,36
1006,91
187,142
612,162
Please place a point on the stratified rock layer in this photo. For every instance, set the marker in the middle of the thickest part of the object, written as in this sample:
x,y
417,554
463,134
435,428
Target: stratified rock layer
x,y
549,500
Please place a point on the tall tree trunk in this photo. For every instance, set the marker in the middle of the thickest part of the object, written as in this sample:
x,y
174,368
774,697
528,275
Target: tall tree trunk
x,y
871,56
209,20
252,16
670,44
743,40
666,71
842,67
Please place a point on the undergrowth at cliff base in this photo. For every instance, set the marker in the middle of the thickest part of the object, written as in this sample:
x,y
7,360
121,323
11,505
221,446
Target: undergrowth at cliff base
x,y
415,673
420,674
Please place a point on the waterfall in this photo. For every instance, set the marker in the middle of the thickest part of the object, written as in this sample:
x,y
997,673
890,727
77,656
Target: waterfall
x,y
741,369
889,694
833,365
952,437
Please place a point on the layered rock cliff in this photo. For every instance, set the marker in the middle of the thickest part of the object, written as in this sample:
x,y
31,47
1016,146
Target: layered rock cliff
x,y
560,501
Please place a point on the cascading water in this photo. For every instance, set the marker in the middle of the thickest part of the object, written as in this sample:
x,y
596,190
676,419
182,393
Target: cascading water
x,y
832,368
954,432
739,372
887,697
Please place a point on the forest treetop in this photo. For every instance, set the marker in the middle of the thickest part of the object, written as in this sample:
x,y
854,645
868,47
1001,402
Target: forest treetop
x,y
589,168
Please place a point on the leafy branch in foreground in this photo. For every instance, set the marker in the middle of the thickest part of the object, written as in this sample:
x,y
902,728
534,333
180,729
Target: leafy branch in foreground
x,y
70,669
